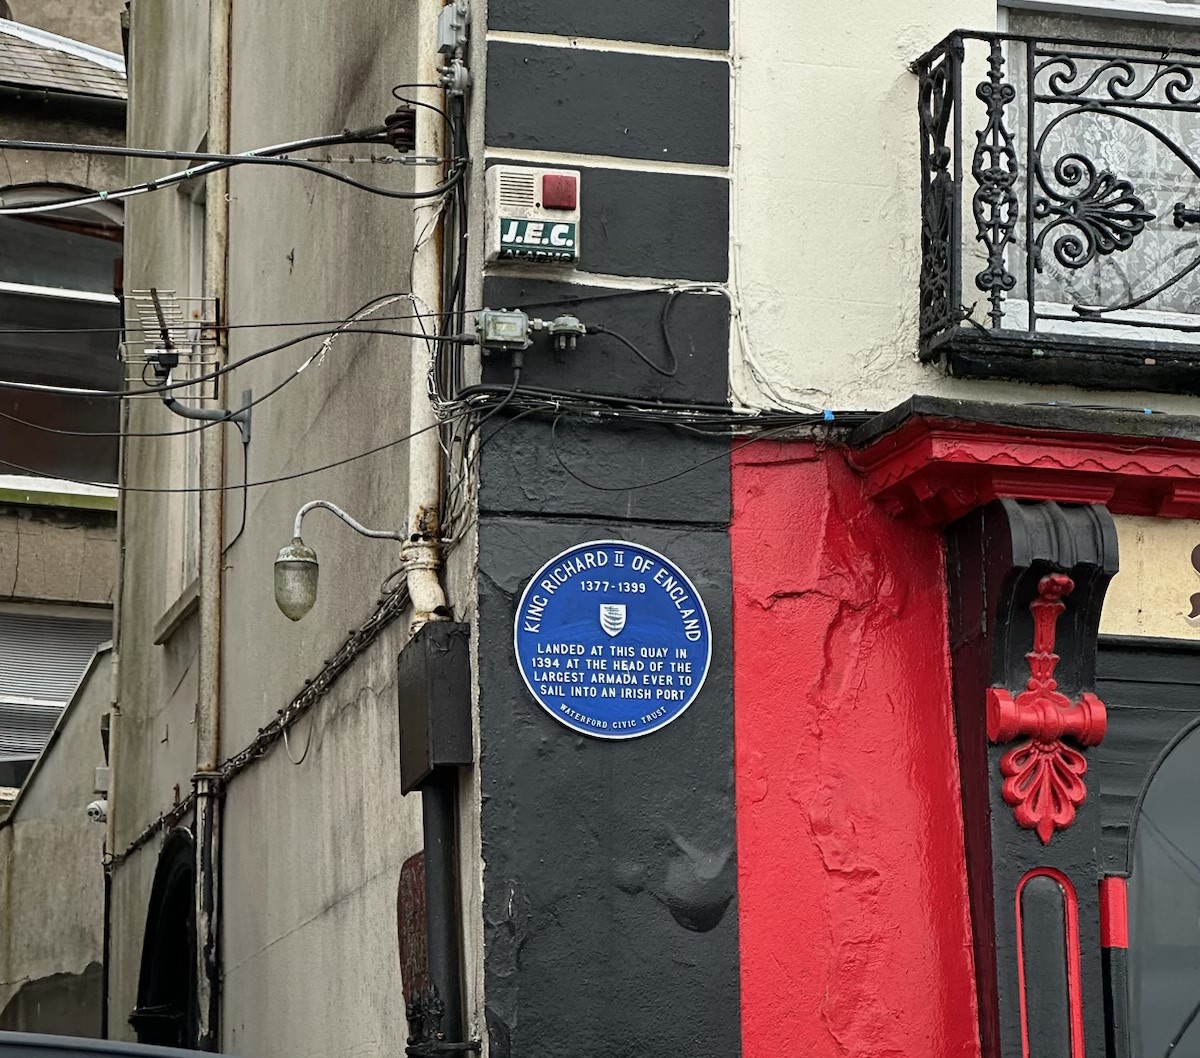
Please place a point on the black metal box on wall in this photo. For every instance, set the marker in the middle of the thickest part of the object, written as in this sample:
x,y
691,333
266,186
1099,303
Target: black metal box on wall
x,y
434,688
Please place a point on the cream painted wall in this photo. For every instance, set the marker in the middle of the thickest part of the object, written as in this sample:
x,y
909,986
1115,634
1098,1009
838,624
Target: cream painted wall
x,y
1152,594
312,852
57,555
826,217
51,876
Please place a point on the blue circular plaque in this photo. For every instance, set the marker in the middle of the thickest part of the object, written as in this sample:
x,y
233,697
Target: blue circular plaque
x,y
612,639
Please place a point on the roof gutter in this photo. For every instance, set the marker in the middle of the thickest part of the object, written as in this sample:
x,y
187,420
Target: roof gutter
x,y
104,109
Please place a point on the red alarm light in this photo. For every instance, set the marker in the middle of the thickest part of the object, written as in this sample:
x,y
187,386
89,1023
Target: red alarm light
x,y
560,191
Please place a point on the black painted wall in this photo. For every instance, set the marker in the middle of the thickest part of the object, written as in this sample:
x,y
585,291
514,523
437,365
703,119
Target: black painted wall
x,y
1151,688
610,913
610,870
687,23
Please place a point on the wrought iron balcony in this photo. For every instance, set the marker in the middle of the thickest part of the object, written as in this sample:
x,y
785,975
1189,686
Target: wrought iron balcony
x,y
1060,235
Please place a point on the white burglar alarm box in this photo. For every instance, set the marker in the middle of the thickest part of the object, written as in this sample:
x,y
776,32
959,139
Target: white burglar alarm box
x,y
533,214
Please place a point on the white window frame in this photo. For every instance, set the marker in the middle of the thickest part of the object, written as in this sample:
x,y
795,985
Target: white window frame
x,y
1176,12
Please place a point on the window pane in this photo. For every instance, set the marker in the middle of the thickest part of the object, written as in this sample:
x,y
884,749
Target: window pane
x,y
34,348
52,455
1164,908
44,256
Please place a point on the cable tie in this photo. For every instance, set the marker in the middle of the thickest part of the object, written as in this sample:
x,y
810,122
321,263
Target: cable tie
x,y
1148,411
827,415
103,195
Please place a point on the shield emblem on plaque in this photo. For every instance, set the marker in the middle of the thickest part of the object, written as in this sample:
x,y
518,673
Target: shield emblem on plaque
x,y
612,617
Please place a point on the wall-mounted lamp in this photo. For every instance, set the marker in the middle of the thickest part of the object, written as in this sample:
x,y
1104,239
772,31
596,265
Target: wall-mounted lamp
x,y
297,569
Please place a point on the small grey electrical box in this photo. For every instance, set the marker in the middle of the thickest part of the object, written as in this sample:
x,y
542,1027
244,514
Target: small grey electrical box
x,y
533,214
434,686
453,22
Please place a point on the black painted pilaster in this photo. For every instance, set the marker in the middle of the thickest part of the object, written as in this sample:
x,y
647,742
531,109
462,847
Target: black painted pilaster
x,y
610,911
1034,897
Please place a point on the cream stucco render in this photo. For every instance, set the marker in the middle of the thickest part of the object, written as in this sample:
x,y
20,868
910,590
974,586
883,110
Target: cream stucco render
x,y
826,214
1152,595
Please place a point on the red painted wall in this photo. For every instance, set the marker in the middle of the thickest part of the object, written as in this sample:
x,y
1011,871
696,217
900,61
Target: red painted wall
x,y
855,929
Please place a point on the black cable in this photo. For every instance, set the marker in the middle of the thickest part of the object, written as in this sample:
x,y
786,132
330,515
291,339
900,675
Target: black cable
x,y
214,422
233,365
664,324
660,481
226,488
418,103
504,426
503,403
229,417
106,433
214,163
232,326
466,459
451,515
245,495
564,301
557,396
29,387
599,404
668,372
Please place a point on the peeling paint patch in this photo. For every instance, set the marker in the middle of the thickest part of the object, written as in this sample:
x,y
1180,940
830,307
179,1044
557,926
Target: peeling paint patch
x,y
64,1004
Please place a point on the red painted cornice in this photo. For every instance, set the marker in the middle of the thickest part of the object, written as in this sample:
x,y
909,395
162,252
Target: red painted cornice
x,y
935,469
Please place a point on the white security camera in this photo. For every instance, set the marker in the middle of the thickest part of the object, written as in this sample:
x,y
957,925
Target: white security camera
x,y
97,811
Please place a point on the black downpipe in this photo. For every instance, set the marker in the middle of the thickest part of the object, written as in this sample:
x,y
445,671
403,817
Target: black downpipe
x,y
105,953
439,797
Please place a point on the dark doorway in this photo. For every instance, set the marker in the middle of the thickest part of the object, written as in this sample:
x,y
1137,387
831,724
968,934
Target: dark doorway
x,y
1148,773
167,1012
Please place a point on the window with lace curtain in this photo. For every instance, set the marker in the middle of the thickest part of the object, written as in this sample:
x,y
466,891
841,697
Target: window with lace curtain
x,y
1061,196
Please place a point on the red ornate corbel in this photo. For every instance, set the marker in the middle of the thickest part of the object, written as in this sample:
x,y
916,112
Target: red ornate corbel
x,y
1043,776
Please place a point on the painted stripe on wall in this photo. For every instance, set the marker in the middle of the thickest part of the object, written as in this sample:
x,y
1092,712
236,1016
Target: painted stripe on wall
x,y
690,23
595,102
697,324
662,225
855,930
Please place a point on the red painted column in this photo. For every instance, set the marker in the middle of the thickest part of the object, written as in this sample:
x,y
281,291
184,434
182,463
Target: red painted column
x,y
853,914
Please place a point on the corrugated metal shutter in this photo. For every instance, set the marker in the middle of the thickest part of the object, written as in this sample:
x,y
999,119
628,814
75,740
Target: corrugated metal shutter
x,y
41,662
24,728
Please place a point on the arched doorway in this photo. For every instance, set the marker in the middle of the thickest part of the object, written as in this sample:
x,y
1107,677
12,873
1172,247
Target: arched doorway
x,y
167,1013
1164,906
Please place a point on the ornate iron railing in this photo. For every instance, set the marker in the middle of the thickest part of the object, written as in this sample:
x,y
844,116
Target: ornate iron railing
x,y
1060,185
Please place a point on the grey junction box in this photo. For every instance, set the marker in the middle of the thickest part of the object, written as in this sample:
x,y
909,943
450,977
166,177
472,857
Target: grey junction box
x,y
434,687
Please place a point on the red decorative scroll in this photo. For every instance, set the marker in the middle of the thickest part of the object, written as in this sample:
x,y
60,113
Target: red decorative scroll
x,y
1043,777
